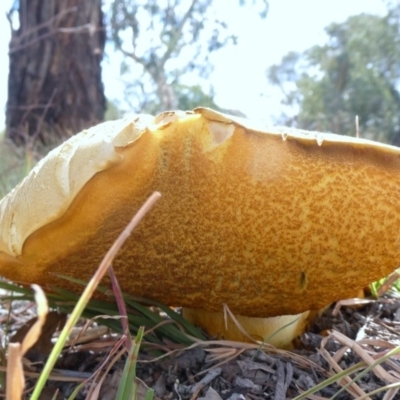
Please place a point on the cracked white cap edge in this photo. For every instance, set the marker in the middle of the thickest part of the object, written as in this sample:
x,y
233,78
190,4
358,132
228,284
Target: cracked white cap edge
x,y
49,189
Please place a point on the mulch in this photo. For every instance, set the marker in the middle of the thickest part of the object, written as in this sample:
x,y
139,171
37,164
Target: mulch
x,y
343,337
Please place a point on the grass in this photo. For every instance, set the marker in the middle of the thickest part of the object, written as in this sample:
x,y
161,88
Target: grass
x,y
389,283
16,162
14,165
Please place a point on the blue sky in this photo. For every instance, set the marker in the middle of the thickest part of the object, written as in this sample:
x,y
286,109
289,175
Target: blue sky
x,y
239,72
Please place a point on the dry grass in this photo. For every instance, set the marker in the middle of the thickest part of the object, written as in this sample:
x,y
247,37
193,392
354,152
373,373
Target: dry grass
x,y
16,162
14,165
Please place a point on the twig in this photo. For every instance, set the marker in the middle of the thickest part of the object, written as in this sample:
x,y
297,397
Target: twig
x,y
212,374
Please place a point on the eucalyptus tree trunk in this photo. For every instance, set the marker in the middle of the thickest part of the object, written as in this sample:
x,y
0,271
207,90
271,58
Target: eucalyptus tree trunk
x,y
54,86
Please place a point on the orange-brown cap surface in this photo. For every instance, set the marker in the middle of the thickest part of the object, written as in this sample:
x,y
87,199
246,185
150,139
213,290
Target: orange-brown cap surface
x,y
269,222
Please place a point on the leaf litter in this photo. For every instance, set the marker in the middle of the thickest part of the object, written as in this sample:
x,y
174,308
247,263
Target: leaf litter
x,y
346,340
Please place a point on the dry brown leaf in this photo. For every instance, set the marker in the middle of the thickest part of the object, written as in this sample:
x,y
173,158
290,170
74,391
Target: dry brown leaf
x,y
16,351
53,321
15,374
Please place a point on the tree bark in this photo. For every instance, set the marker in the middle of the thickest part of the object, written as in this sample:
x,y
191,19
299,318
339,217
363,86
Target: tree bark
x,y
54,86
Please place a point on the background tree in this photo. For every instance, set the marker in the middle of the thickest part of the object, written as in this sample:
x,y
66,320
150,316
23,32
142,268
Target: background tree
x,y
55,75
356,73
164,42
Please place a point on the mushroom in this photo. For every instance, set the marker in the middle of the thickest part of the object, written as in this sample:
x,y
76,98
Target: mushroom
x,y
266,222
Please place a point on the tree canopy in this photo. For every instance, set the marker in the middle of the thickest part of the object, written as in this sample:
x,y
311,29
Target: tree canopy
x,y
356,73
165,41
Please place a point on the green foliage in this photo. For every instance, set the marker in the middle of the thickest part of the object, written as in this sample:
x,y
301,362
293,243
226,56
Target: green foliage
x,y
356,73
190,97
112,111
164,43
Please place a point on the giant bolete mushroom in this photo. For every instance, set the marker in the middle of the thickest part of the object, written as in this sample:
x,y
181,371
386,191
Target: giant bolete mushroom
x,y
268,222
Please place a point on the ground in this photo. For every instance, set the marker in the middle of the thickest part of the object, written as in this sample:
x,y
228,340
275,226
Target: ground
x,y
343,338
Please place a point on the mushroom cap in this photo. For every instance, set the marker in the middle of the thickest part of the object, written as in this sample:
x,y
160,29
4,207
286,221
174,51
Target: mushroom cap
x,y
267,221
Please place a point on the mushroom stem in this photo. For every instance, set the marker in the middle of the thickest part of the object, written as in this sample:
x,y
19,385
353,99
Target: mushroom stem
x,y
279,331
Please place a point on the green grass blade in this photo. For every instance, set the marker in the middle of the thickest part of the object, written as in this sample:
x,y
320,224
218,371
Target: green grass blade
x,y
149,394
127,388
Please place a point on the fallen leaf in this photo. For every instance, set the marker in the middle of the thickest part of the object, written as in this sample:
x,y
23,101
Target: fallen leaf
x,y
53,322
